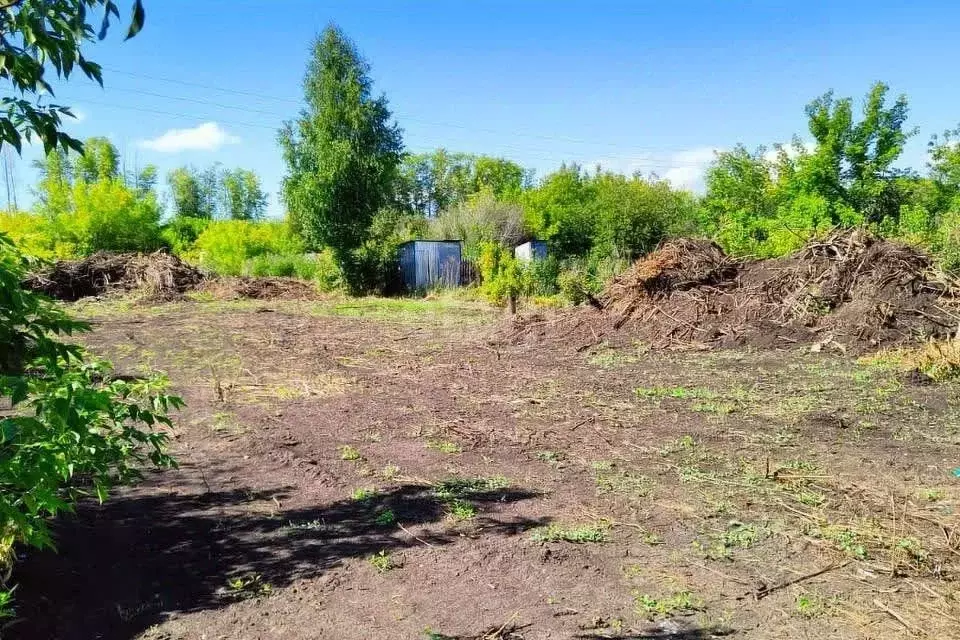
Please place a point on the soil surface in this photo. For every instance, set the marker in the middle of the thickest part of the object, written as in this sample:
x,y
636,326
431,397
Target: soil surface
x,y
359,469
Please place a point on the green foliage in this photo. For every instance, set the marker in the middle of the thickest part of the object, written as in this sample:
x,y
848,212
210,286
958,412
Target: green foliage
x,y
382,561
502,276
769,204
72,429
109,216
558,211
652,607
228,247
373,267
189,199
478,219
44,35
431,183
342,155
578,535
244,199
181,233
216,192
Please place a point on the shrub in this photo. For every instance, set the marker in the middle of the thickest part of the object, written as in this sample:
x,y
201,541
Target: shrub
x,y
226,246
70,428
108,216
327,271
374,266
182,232
482,218
31,232
284,266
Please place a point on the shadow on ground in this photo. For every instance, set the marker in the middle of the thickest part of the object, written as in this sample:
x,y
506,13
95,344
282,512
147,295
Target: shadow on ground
x,y
665,634
126,565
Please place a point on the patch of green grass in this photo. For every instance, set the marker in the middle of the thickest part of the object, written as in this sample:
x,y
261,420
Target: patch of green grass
x,y
843,538
461,510
444,446
652,608
249,585
461,488
810,498
578,534
607,358
382,561
364,494
812,605
932,495
681,444
442,309
349,453
737,535
386,518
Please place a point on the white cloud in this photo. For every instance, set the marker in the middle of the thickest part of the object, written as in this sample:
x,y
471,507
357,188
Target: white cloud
x,y
208,136
684,168
79,115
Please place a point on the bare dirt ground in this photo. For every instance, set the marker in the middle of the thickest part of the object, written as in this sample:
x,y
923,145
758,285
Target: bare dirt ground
x,y
375,469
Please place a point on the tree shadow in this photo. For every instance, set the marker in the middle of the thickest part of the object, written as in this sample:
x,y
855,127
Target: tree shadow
x,y
126,565
665,634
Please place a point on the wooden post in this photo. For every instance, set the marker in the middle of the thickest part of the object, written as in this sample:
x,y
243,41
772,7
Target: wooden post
x,y
512,304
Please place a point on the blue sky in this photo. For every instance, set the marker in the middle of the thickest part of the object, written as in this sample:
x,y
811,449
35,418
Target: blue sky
x,y
648,86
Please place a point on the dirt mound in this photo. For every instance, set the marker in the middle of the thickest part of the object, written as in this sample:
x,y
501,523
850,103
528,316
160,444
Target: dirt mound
x,y
851,290
159,276
260,289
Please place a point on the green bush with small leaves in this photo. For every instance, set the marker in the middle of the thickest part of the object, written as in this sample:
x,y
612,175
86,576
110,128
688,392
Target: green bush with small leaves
x,y
72,429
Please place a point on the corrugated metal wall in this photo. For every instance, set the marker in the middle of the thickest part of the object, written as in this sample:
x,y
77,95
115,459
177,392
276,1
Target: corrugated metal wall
x,y
425,264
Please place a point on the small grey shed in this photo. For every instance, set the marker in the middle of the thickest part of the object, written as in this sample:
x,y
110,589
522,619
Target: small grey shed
x,y
430,263
530,251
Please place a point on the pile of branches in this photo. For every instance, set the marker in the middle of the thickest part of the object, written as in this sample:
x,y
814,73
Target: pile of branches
x,y
158,276
850,290
260,288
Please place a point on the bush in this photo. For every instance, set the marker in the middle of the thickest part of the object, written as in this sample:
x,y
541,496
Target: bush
x,y
283,266
181,233
29,231
100,216
374,267
482,218
226,246
71,429
107,216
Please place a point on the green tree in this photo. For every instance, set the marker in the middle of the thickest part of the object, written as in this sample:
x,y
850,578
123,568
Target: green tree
x,y
187,194
244,199
342,153
430,183
99,160
851,165
558,211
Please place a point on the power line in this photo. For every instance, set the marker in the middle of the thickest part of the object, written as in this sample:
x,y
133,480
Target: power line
x,y
404,116
552,156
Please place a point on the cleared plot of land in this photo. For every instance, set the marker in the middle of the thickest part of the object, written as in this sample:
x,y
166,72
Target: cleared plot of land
x,y
374,469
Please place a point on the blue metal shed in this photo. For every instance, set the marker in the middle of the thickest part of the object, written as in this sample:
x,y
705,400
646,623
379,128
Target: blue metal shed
x,y
430,263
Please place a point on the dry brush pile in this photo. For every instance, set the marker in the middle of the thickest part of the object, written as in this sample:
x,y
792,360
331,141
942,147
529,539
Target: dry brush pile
x,y
851,290
155,277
